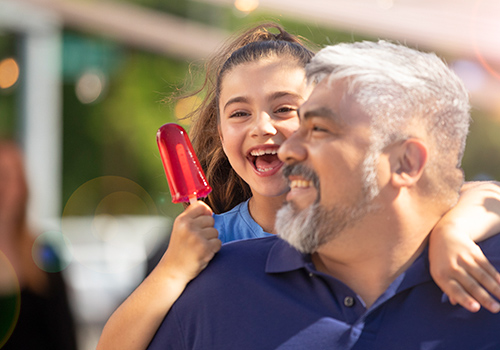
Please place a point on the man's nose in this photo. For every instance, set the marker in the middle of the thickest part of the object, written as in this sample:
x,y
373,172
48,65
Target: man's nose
x,y
292,150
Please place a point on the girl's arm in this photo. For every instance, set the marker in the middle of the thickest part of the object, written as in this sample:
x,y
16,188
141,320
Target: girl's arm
x,y
457,264
193,243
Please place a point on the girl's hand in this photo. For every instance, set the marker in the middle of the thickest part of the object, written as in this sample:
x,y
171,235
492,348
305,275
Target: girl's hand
x,y
457,264
193,242
460,269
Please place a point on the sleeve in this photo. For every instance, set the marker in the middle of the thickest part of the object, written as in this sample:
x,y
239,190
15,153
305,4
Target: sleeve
x,y
491,248
169,335
219,225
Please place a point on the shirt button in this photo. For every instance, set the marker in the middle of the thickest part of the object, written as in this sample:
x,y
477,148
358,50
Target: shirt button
x,y
311,274
348,301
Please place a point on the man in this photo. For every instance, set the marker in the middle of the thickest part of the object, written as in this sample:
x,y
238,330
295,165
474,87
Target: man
x,y
372,168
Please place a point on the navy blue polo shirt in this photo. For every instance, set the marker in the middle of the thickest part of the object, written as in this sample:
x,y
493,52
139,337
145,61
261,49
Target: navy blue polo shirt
x,y
262,294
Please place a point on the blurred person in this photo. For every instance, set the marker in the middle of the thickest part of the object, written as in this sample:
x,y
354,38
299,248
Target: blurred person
x,y
34,305
254,86
373,167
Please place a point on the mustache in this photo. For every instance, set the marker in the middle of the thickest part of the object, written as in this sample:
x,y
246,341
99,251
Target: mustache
x,y
303,171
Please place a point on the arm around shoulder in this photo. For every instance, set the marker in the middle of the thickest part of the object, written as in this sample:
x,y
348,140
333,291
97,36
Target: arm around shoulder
x,y
457,264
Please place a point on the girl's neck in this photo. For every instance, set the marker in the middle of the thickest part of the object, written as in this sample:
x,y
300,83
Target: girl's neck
x,y
263,210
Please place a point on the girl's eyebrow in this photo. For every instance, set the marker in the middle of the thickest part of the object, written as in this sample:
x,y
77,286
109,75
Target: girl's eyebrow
x,y
271,97
236,99
278,94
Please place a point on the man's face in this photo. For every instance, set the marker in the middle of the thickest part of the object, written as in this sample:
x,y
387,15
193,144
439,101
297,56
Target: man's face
x,y
332,173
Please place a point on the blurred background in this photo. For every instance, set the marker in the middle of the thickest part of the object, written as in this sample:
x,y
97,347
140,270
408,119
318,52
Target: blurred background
x,y
82,85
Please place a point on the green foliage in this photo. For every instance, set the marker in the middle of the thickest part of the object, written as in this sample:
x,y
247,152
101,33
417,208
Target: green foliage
x,y
313,32
175,7
481,157
7,113
8,97
117,134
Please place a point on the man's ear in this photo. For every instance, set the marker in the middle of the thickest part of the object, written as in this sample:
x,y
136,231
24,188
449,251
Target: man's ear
x,y
409,162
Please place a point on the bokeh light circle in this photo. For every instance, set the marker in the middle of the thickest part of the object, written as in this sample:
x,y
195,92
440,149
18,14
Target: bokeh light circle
x,y
10,299
246,6
110,222
9,72
90,87
51,251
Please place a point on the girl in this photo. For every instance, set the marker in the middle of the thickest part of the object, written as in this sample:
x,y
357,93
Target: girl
x,y
254,87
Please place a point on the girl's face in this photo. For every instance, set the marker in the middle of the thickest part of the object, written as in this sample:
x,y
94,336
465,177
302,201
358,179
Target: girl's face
x,y
258,112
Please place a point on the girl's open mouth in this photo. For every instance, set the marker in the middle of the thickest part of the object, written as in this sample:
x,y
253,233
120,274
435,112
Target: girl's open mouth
x,y
265,159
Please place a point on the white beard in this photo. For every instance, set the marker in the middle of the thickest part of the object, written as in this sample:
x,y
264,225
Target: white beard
x,y
298,228
307,229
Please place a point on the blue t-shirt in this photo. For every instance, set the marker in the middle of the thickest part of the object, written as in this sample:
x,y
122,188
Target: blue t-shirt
x,y
238,224
262,294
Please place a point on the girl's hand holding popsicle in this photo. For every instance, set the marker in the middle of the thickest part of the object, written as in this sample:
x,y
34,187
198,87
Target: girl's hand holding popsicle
x,y
193,241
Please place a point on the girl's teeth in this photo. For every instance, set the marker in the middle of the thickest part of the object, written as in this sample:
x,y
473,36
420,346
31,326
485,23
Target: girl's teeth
x,y
257,153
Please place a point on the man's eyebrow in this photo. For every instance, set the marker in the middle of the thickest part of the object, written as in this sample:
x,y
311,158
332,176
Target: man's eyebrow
x,y
323,113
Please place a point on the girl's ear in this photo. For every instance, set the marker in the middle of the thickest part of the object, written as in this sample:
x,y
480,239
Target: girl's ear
x,y
220,135
221,140
408,163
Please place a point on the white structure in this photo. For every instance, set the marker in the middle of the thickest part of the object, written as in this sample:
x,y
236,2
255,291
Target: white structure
x,y
39,23
40,33
105,256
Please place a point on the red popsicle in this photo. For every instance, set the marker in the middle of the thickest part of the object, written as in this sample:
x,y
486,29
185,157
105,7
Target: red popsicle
x,y
185,177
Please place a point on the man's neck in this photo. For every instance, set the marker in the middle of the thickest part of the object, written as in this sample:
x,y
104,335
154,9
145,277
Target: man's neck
x,y
369,259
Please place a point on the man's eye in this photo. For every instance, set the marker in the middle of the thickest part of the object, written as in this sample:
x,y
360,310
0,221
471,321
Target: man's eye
x,y
318,128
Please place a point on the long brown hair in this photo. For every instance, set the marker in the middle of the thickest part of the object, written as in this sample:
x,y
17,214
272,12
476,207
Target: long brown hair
x,y
251,45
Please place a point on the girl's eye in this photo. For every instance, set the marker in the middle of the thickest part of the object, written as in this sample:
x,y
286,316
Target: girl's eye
x,y
286,110
238,114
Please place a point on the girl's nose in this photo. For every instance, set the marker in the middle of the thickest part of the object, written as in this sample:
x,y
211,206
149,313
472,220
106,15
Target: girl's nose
x,y
263,126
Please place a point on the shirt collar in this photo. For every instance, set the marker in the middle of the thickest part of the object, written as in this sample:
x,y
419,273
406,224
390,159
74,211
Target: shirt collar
x,y
418,272
283,257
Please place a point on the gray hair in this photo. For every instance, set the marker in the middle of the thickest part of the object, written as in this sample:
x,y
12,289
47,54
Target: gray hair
x,y
407,93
